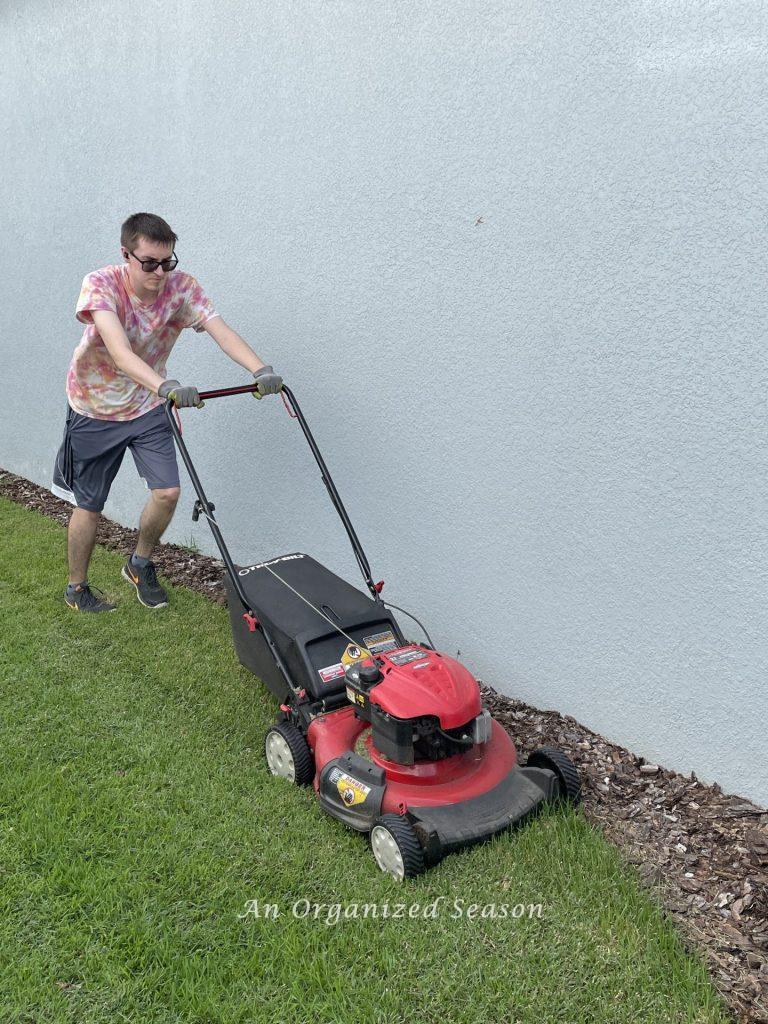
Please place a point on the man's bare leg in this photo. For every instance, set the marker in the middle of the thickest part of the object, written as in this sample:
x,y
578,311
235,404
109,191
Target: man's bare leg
x,y
155,517
81,538
140,570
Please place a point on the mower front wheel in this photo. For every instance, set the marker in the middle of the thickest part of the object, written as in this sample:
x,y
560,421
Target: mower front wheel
x,y
396,847
565,771
288,754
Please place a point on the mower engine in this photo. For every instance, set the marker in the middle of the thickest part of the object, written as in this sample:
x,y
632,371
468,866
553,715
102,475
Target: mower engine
x,y
421,705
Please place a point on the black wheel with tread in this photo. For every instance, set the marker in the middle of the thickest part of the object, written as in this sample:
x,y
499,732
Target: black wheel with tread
x,y
555,760
288,754
396,847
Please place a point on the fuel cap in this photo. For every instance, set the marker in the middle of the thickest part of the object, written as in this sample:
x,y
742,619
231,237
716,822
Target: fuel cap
x,y
369,673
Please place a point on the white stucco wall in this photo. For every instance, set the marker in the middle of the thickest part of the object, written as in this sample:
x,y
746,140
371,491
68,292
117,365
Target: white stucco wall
x,y
511,259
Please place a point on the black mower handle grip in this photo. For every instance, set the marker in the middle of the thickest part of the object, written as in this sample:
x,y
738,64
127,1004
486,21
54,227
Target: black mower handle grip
x,y
243,389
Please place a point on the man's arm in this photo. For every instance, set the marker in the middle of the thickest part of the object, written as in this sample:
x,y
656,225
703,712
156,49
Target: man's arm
x,y
116,340
229,341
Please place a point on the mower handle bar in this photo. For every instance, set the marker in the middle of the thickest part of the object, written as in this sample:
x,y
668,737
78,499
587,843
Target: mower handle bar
x,y
241,389
204,506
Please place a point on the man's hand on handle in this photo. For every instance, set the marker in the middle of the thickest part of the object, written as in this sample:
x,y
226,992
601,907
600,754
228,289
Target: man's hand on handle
x,y
269,382
182,396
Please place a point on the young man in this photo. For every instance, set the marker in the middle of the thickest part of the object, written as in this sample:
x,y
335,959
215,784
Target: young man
x,y
116,391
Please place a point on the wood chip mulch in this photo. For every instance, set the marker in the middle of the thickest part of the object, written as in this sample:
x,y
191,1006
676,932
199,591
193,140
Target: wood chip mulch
x,y
701,852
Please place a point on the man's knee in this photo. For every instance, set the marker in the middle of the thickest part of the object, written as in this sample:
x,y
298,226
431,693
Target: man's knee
x,y
167,495
83,515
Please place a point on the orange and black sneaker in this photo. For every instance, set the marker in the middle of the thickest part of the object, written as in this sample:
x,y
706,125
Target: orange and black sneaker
x,y
83,599
144,578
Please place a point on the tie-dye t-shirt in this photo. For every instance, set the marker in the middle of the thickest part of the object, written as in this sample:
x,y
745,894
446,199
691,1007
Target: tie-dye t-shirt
x,y
95,386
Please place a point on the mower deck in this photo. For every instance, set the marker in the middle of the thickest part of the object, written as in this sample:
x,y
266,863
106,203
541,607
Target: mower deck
x,y
450,803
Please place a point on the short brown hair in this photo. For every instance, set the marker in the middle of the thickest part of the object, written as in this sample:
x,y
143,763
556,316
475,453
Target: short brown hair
x,y
149,226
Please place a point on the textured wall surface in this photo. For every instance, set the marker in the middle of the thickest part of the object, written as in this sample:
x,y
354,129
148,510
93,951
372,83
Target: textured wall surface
x,y
511,259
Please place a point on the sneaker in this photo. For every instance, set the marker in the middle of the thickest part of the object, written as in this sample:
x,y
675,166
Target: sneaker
x,y
148,590
83,599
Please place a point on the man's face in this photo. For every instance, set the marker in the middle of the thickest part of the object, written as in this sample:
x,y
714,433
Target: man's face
x,y
142,282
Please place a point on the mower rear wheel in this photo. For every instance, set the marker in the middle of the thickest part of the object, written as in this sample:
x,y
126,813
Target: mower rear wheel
x,y
565,771
396,847
288,754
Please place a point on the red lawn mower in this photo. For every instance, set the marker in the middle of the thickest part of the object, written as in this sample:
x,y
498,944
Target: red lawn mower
x,y
391,733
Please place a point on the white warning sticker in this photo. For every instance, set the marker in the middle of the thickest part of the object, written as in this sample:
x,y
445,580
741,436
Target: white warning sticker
x,y
379,642
331,672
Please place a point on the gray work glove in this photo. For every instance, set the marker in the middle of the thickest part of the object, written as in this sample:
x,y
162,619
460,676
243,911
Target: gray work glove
x,y
269,382
182,396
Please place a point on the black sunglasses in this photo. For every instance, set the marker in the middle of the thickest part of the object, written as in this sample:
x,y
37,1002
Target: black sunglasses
x,y
149,265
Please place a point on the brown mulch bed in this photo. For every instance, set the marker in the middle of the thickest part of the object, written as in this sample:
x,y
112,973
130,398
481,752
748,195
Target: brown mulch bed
x,y
701,852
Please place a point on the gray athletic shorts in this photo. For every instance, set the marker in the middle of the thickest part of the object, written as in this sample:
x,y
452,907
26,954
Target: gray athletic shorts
x,y
92,450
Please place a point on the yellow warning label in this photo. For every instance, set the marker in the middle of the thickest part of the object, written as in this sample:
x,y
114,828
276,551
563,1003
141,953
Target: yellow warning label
x,y
353,654
351,791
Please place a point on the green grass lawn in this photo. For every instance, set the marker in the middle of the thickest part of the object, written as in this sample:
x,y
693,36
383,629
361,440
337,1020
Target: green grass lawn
x,y
137,819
